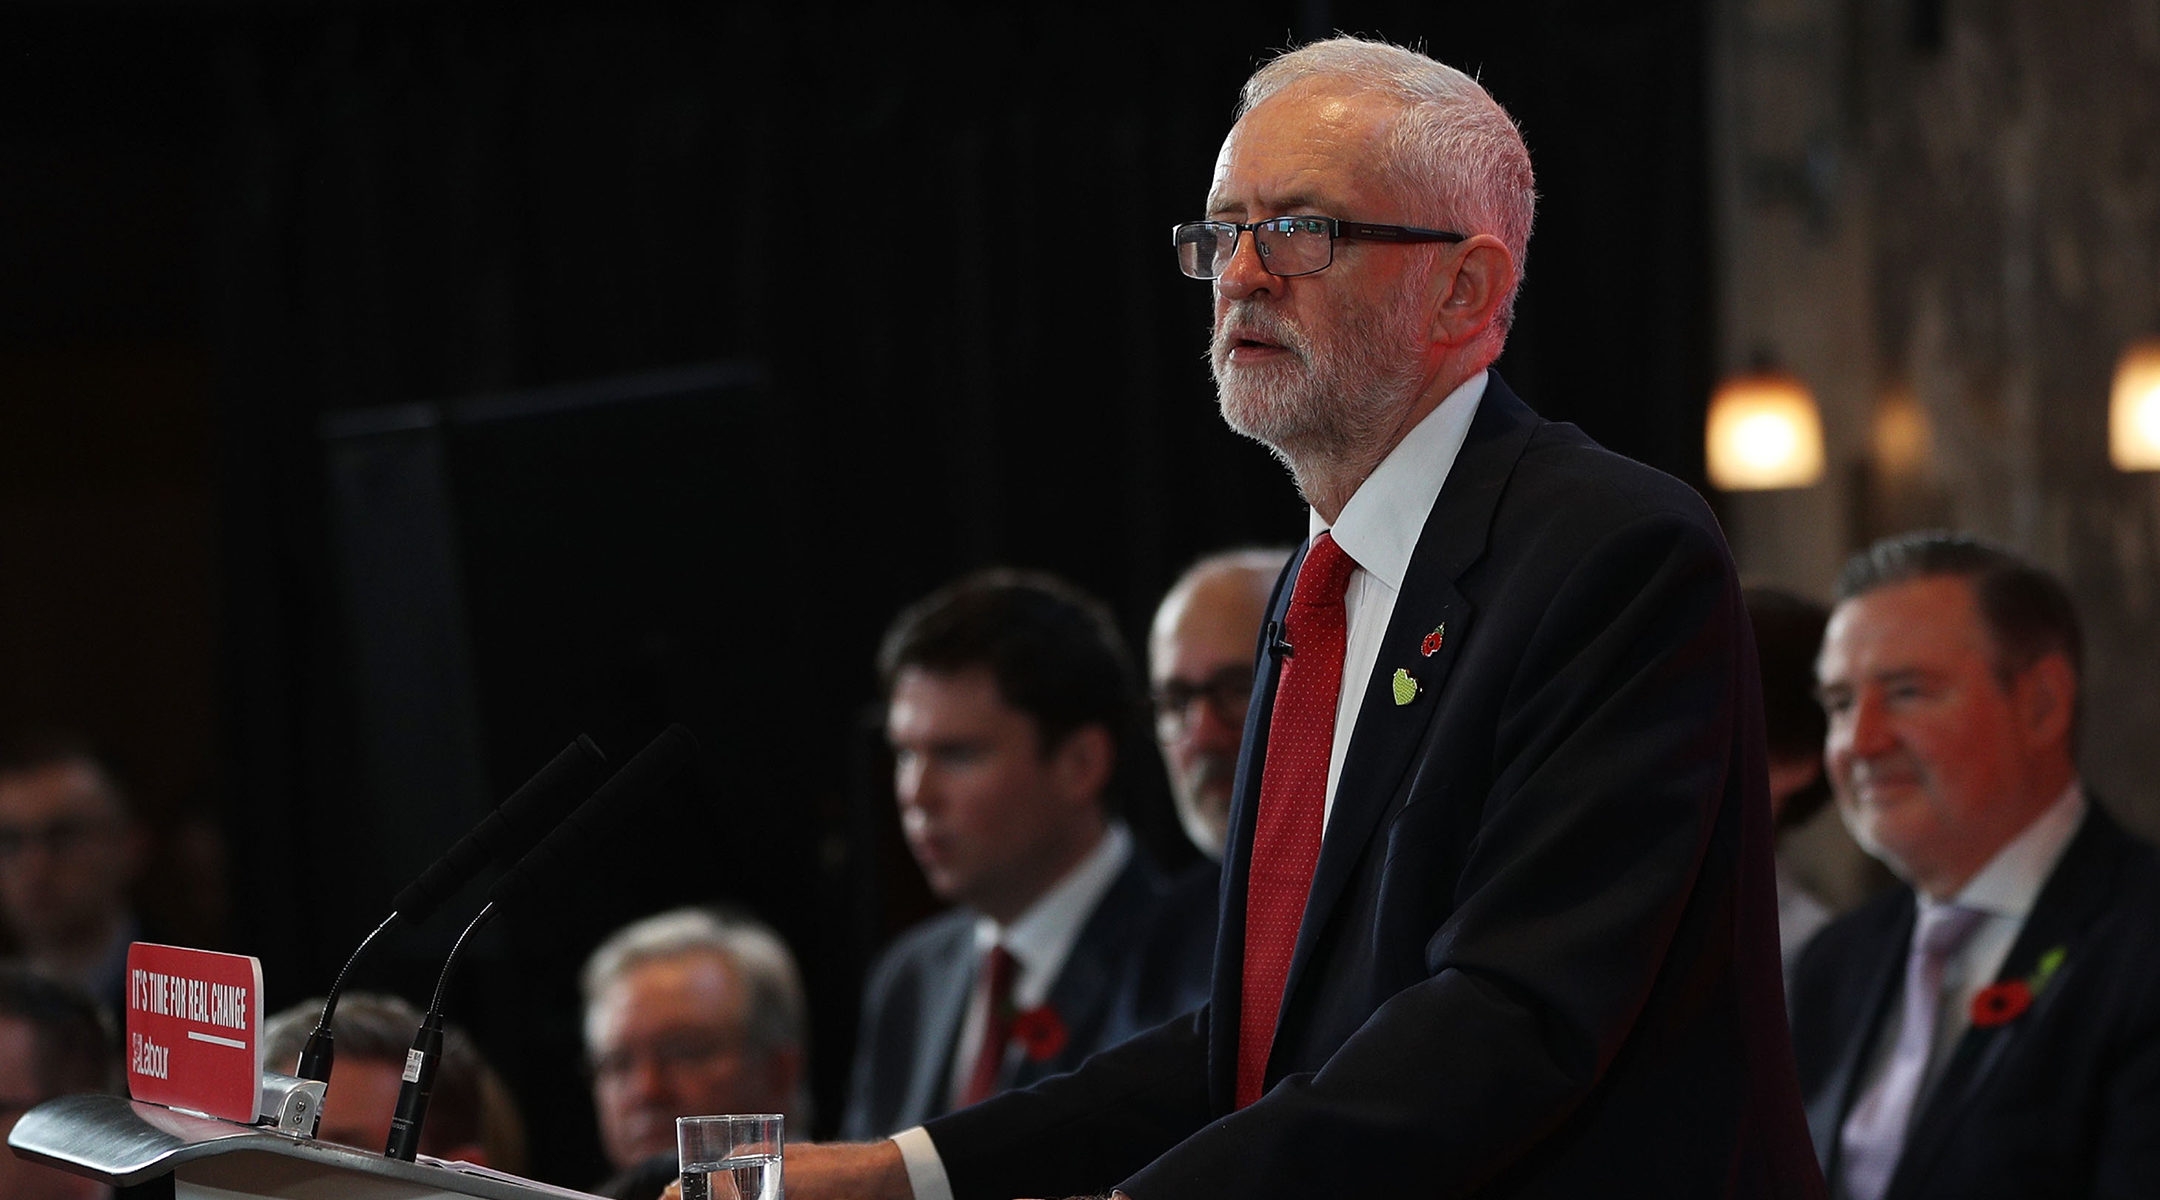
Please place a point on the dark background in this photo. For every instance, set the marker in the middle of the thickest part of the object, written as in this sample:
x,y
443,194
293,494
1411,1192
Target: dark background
x,y
391,391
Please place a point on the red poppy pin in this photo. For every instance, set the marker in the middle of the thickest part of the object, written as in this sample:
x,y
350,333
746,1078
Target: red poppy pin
x,y
1040,1032
1431,645
2001,1003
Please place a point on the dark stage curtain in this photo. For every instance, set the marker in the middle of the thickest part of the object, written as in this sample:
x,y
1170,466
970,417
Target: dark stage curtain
x,y
583,366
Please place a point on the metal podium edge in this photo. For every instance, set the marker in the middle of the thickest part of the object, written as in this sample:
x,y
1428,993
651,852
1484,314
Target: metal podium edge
x,y
126,1142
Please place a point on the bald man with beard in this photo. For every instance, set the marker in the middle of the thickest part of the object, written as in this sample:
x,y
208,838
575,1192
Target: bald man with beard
x,y
1201,649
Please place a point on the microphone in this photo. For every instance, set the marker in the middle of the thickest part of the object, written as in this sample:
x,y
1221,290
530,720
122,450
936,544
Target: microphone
x,y
1278,646
659,762
511,830
503,835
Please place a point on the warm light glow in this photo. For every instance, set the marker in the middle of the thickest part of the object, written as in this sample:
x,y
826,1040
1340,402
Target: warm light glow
x,y
2134,414
1901,433
1764,432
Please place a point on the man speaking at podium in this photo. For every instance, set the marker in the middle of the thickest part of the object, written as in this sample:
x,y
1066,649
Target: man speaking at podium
x,y
1498,914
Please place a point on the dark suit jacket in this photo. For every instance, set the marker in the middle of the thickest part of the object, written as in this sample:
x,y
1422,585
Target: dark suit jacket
x,y
2062,1101
918,992
1540,953
1169,968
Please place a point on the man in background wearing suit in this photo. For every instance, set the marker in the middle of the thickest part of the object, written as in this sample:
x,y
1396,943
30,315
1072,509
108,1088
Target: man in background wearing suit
x,y
71,847
1007,695
690,1012
1499,917
1200,675
1994,1028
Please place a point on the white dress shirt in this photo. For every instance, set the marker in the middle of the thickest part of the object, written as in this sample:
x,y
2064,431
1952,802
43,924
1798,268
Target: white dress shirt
x,y
1378,529
1040,940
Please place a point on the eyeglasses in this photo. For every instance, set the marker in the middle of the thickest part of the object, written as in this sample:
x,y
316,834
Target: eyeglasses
x,y
674,1054
58,838
1288,246
1228,692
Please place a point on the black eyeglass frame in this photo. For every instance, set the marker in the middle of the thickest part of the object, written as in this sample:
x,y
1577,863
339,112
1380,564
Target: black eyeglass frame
x,y
1227,690
1337,230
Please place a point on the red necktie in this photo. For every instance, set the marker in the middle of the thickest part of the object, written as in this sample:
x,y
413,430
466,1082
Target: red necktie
x,y
1293,799
997,982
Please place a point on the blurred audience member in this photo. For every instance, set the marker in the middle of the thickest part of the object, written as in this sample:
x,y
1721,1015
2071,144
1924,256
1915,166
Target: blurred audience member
x,y
1788,632
471,1115
70,847
1007,696
1201,651
1993,1029
53,1042
690,1012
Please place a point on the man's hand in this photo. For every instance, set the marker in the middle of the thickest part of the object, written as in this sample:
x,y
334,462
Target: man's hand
x,y
837,1171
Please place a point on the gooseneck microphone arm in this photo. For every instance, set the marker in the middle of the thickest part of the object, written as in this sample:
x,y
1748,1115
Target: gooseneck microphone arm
x,y
502,836
654,766
426,1055
321,1050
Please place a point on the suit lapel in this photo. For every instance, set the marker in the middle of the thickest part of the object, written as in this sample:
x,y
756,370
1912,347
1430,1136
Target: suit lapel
x,y
2075,896
1388,733
1877,981
1086,984
946,991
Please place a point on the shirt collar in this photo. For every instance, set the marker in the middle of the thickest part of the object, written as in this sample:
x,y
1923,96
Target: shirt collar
x,y
1371,528
1040,938
2011,881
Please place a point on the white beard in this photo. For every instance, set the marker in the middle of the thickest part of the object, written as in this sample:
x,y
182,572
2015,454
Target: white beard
x,y
1327,399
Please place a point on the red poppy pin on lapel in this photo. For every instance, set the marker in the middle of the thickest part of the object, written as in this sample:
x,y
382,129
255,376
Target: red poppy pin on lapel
x,y
1431,645
2004,1002
1040,1032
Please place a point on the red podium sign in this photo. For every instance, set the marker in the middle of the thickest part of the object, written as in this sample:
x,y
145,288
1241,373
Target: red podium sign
x,y
194,1030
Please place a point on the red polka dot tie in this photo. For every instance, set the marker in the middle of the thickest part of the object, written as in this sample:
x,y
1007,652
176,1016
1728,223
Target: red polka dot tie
x,y
1293,799
996,983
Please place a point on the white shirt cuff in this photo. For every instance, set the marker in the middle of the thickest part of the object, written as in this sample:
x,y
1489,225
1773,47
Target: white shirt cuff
x,y
925,1170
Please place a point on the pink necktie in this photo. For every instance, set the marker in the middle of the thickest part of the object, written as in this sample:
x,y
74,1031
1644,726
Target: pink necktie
x,y
1293,800
1874,1133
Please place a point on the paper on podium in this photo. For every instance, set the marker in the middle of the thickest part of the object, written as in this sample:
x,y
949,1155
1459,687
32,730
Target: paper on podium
x,y
477,1171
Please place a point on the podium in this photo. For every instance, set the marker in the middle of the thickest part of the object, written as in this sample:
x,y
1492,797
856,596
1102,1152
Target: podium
x,y
125,1142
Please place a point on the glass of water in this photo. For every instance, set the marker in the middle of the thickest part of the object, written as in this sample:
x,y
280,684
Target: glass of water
x,y
733,1157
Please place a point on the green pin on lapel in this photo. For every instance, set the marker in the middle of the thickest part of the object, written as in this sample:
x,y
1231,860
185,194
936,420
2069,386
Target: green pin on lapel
x,y
1406,688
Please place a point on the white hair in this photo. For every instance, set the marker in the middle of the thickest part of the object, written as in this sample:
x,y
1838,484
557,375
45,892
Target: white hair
x,y
776,1019
1453,151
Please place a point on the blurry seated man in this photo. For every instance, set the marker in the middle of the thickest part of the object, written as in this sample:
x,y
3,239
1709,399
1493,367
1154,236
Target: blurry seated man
x,y
1821,871
1008,694
1201,649
470,1116
70,848
53,1042
691,1012
1788,630
1991,1029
